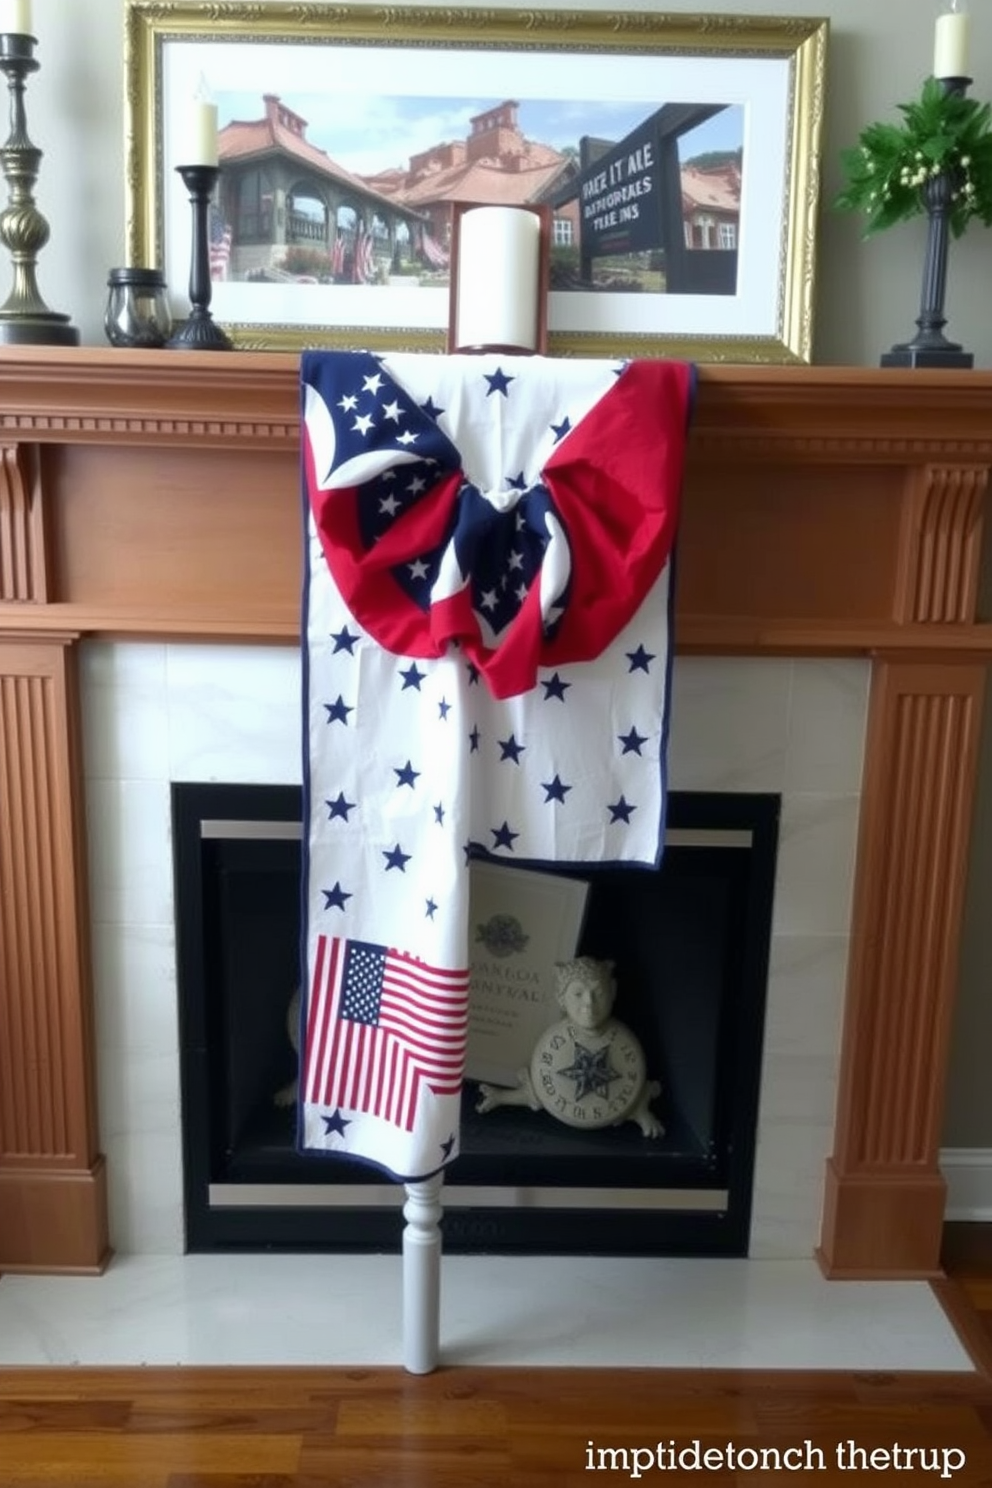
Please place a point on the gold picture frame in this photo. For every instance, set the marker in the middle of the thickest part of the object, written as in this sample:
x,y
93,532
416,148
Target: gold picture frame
x,y
744,283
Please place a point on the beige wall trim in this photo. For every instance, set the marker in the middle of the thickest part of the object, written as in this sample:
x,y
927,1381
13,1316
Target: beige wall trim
x,y
968,1174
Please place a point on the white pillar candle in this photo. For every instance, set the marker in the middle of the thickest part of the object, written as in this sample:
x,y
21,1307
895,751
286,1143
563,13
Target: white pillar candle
x,y
15,18
950,48
199,141
498,273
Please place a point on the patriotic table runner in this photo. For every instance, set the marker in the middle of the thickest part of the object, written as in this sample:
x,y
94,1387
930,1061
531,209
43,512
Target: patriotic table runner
x,y
486,664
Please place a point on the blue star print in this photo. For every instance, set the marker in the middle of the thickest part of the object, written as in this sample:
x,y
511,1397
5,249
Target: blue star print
x,y
344,641
335,898
498,382
339,807
632,742
640,660
337,712
554,687
412,677
510,749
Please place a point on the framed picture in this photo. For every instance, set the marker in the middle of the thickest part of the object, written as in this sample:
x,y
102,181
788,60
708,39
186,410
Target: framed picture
x,y
679,155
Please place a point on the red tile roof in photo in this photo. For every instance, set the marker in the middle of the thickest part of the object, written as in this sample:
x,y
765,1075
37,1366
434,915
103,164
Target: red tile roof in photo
x,y
495,163
479,181
282,131
717,190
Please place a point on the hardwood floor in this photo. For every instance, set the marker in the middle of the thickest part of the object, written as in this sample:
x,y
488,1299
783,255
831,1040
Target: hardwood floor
x,y
467,1428
506,1428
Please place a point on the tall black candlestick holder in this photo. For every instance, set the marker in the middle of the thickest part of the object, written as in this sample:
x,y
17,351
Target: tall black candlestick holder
x,y
200,332
930,347
25,319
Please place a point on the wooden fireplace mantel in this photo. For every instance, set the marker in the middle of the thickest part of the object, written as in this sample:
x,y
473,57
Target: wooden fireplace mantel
x,y
827,512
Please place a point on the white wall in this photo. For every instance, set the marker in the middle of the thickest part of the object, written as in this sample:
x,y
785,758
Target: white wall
x,y
867,295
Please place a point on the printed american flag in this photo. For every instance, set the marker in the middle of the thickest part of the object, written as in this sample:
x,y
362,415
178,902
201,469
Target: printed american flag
x,y
364,261
434,253
220,247
379,1024
337,255
486,658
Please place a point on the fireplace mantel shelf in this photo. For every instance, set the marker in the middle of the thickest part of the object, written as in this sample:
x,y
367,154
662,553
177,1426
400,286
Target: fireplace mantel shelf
x,y
827,511
101,396
110,452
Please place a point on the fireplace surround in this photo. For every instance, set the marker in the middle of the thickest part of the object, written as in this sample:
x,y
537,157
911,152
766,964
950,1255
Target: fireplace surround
x,y
690,943
829,513
159,715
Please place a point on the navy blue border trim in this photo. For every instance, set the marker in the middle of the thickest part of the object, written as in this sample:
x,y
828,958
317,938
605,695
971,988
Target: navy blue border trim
x,y
305,753
673,569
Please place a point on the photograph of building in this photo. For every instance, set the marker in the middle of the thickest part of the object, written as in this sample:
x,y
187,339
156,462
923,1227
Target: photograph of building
x,y
628,214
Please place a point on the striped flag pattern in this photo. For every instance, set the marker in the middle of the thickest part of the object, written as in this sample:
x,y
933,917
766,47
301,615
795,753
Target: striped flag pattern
x,y
434,252
337,255
364,259
381,1023
221,239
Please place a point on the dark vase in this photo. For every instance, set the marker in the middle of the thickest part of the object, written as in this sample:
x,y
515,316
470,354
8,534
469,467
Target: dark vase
x,y
137,313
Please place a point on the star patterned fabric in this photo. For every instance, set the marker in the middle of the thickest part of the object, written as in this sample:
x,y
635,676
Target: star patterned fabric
x,y
487,653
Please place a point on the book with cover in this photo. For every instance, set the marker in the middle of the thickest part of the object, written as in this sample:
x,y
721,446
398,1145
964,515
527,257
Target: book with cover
x,y
520,923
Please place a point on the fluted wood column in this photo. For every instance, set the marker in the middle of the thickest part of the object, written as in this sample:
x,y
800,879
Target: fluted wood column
x,y
884,1198
52,1187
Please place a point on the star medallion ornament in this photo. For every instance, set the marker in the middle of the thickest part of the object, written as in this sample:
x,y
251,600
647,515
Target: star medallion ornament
x,y
591,1071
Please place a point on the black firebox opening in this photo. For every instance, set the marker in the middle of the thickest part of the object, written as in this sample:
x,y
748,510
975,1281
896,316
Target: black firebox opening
x,y
690,942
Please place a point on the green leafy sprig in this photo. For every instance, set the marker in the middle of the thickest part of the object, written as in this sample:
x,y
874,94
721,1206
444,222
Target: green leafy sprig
x,y
943,132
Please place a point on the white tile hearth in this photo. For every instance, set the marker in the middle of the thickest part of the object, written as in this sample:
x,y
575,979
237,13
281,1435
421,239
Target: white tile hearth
x,y
159,713
539,1311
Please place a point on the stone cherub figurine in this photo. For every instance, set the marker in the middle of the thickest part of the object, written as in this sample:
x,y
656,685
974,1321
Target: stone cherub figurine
x,y
587,1070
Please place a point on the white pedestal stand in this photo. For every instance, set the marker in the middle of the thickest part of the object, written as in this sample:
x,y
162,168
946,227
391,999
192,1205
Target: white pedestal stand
x,y
422,1274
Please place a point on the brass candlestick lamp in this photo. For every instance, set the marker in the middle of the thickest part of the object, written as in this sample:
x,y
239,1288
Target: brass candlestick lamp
x,y
25,319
